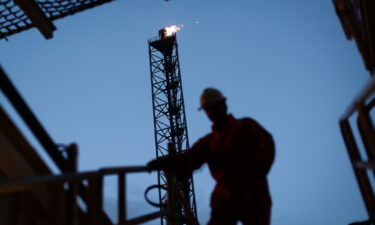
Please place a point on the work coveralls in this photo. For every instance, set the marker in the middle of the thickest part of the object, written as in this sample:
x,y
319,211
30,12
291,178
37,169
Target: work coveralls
x,y
239,154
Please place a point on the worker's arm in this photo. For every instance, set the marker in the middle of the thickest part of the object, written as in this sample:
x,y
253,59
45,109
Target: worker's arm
x,y
186,162
260,149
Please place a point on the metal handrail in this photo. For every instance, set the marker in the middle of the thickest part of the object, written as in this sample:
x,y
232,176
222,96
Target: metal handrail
x,y
91,194
20,105
158,38
367,133
95,179
29,183
364,94
152,39
65,164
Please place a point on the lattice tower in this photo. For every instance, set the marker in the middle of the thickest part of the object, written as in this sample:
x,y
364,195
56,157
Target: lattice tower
x,y
171,134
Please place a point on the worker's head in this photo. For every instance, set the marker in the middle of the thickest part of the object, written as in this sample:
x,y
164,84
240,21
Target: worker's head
x,y
212,101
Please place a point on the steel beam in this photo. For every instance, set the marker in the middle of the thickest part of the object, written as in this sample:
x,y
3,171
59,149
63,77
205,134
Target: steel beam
x,y
37,17
31,120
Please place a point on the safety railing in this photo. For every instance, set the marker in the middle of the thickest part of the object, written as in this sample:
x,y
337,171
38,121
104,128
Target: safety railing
x,y
37,129
362,106
65,157
94,192
158,38
94,195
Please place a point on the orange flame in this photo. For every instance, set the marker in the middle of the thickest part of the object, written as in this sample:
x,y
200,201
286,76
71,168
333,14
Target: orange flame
x,y
171,30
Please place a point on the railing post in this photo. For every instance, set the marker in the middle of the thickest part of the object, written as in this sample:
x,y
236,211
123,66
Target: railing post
x,y
121,198
361,175
95,203
72,192
367,131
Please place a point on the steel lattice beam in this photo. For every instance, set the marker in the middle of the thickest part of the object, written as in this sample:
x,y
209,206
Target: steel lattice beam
x,y
171,136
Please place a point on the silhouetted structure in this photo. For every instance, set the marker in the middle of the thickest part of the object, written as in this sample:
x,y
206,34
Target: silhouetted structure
x,y
358,20
30,194
20,15
171,136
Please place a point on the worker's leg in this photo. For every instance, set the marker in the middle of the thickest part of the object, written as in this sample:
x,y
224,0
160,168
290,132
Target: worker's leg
x,y
256,207
223,209
222,217
260,216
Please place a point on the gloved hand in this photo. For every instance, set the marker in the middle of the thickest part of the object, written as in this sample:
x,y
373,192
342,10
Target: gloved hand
x,y
158,164
168,164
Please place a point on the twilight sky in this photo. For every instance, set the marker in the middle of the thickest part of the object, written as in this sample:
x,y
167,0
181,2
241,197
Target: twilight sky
x,y
286,64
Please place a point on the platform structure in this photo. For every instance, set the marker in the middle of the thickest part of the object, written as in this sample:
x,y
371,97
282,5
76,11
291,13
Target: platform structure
x,y
171,134
358,22
31,193
20,15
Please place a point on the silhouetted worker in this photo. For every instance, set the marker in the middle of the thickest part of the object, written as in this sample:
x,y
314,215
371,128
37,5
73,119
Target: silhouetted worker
x,y
239,153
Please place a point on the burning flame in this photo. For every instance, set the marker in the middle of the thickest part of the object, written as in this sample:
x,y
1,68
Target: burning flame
x,y
171,30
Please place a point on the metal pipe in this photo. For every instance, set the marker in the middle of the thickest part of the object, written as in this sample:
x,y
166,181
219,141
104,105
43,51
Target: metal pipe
x,y
125,169
365,93
28,183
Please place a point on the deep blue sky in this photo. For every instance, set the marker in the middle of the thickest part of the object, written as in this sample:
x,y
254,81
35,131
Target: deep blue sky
x,y
286,64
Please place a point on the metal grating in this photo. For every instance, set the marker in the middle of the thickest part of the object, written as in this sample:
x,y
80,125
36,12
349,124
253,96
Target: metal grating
x,y
55,9
14,20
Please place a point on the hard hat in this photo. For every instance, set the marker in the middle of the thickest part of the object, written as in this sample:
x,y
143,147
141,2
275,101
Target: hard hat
x,y
210,96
